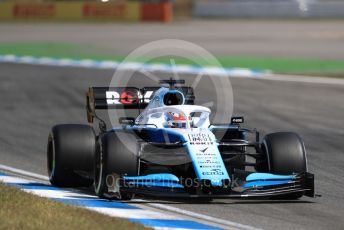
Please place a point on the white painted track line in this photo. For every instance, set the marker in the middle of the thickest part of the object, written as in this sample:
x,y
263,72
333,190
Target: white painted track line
x,y
23,172
201,216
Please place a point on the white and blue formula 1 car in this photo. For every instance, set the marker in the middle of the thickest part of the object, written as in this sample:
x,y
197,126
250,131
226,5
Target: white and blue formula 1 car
x,y
171,149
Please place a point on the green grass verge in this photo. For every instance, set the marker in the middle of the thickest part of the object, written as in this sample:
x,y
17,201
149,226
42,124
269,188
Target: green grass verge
x,y
21,210
82,51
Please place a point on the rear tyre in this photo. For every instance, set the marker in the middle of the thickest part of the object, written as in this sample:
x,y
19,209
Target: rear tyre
x,y
285,154
115,158
71,148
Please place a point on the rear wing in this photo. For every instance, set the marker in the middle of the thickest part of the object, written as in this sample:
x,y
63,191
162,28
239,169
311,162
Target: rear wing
x,y
100,98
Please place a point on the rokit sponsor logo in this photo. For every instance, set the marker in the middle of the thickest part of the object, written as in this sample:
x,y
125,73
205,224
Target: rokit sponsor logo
x,y
127,97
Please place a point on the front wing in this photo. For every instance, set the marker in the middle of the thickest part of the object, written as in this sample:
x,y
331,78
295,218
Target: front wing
x,y
161,186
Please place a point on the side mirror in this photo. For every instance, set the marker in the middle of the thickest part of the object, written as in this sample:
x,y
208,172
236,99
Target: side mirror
x,y
237,120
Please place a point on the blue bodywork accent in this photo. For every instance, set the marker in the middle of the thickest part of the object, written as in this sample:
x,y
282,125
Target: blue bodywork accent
x,y
268,176
158,135
161,135
266,183
154,177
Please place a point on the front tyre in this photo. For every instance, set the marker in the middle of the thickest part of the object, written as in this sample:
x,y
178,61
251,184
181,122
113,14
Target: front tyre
x,y
113,160
71,148
285,154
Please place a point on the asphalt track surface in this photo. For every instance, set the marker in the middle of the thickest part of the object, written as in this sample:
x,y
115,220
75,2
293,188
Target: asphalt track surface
x,y
34,98
322,39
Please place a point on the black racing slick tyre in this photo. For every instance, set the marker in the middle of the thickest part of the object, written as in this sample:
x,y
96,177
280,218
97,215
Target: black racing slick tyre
x,y
286,154
113,160
71,148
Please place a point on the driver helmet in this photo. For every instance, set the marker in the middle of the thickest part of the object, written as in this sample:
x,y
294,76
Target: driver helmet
x,y
176,120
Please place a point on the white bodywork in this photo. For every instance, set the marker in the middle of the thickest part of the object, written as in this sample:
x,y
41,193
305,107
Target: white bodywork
x,y
154,114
